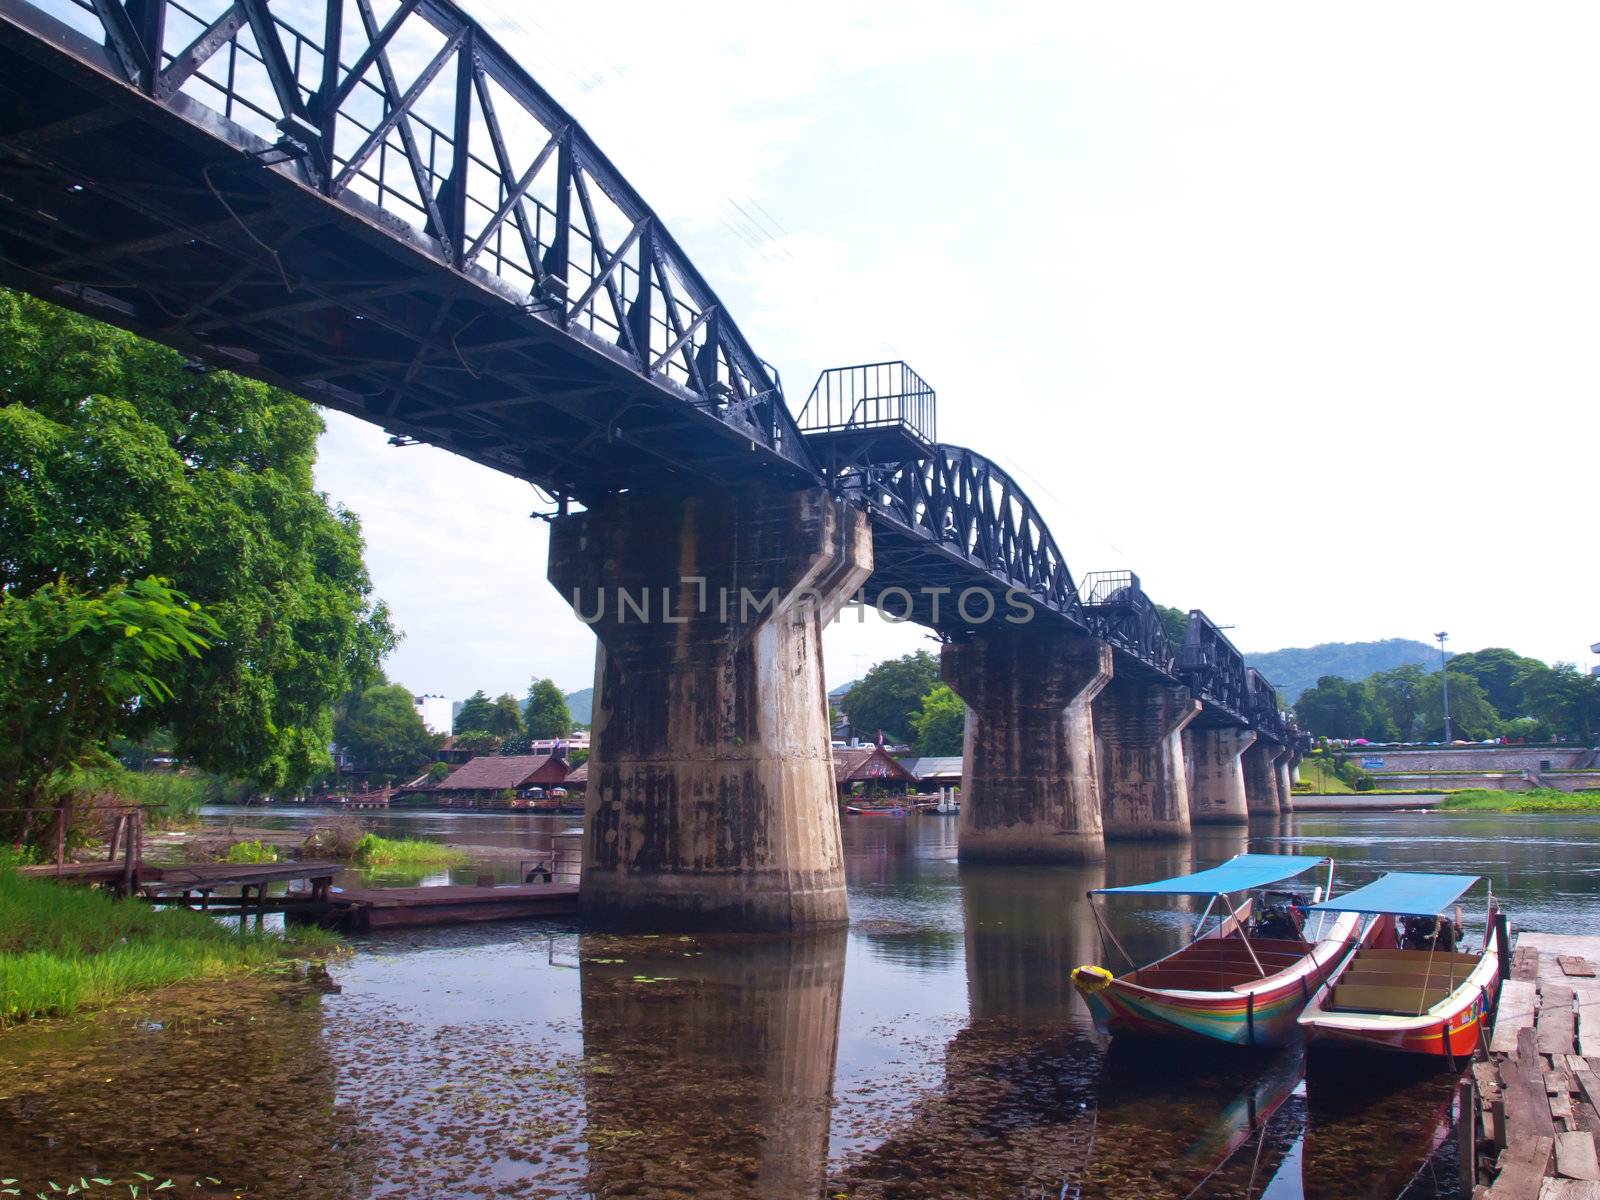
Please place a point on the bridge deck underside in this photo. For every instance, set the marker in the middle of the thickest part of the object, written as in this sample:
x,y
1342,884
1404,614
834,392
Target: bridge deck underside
x,y
122,209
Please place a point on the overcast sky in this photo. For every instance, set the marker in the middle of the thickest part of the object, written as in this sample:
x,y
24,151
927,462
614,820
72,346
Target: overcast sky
x,y
1293,310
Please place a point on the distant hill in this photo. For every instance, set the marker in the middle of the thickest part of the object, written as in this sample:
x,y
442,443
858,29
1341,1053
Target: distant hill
x,y
581,706
1296,670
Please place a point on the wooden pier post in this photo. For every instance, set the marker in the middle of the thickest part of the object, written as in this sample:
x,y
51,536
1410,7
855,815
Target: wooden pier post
x,y
1467,1134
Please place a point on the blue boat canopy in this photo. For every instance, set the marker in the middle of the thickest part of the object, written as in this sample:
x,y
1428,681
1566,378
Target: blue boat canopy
x,y
1403,893
1238,874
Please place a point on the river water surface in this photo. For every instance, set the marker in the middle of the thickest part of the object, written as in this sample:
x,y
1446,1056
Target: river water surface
x,y
934,1049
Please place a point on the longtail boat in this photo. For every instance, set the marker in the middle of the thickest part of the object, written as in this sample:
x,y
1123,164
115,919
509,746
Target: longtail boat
x,y
1406,986
1243,979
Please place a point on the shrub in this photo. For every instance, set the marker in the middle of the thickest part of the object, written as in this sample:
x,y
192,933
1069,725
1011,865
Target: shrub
x,y
253,851
375,851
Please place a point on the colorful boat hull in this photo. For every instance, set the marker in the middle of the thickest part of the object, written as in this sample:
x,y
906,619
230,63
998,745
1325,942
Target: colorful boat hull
x,y
1450,1030
1263,1013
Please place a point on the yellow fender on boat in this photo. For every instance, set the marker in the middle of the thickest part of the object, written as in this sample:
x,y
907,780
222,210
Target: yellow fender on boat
x,y
1090,979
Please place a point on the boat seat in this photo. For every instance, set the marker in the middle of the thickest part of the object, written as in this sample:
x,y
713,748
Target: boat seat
x,y
1385,998
1236,950
1439,970
1377,956
1405,981
1196,981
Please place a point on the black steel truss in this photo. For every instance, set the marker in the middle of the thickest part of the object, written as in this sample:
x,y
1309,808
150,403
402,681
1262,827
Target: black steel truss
x,y
957,506
1119,612
506,225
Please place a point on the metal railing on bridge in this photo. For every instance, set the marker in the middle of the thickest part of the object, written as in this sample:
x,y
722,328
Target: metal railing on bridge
x,y
1118,611
872,396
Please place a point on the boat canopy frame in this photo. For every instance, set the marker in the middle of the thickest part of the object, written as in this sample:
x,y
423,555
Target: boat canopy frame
x,y
1410,894
1241,873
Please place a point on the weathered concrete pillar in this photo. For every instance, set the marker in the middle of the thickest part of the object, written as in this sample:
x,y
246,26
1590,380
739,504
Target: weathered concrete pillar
x,y
1285,771
1144,789
710,799
1216,782
1261,779
1029,789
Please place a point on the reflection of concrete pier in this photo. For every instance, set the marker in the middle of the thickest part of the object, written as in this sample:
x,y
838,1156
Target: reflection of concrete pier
x,y
1026,928
710,1063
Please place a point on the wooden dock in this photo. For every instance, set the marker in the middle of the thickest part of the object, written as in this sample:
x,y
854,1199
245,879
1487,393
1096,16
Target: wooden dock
x,y
238,885
360,909
1539,1091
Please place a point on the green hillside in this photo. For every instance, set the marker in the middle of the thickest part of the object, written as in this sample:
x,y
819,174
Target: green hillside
x,y
581,705
1296,669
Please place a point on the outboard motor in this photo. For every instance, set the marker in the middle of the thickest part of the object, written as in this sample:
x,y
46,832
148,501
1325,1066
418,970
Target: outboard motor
x,y
1279,916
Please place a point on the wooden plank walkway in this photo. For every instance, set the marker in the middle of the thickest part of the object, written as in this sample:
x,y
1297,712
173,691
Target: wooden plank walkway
x,y
195,877
78,872
1539,1093
387,908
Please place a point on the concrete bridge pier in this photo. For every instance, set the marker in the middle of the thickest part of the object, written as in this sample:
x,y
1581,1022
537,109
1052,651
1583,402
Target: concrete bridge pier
x,y
1285,774
1261,789
1144,786
1029,787
1216,785
711,798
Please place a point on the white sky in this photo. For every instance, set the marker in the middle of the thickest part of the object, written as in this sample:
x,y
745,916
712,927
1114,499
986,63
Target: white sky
x,y
1290,309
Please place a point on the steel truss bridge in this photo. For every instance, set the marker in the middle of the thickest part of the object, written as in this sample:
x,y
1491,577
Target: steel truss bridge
x,y
370,203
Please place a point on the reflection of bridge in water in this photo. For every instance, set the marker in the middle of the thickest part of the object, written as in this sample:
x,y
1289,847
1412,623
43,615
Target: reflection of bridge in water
x,y
412,231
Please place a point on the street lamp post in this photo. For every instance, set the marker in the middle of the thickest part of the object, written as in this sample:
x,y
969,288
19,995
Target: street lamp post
x,y
1444,680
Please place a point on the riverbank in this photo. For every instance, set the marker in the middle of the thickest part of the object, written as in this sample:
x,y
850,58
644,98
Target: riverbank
x,y
176,845
64,950
1539,800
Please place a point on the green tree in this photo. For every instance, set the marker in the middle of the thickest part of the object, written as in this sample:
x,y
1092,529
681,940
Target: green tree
x,y
1401,694
474,715
1411,702
74,667
505,719
383,732
1342,708
1496,669
479,741
890,693
1561,697
117,463
941,723
1176,623
1472,717
547,712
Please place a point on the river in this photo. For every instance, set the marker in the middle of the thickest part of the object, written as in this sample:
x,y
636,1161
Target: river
x,y
933,1049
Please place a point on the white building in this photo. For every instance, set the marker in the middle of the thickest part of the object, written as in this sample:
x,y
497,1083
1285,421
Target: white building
x,y
435,713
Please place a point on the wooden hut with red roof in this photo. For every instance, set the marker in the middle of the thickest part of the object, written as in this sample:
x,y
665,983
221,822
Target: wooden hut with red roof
x,y
873,768
487,778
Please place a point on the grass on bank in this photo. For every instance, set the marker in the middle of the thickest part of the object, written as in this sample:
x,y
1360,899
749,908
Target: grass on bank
x,y
1539,800
66,949
375,851
1318,772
